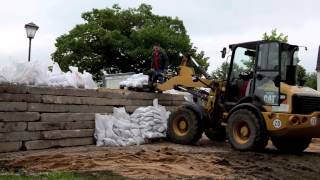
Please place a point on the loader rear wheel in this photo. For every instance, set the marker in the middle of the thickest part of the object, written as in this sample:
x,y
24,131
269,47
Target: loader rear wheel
x,y
291,145
246,132
216,134
184,127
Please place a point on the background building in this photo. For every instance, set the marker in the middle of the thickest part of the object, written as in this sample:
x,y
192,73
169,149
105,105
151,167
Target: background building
x,y
318,70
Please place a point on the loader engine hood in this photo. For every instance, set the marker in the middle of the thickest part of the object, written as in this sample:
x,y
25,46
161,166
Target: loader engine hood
x,y
304,100
299,90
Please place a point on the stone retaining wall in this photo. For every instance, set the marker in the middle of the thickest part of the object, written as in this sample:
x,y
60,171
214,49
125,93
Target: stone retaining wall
x,y
46,117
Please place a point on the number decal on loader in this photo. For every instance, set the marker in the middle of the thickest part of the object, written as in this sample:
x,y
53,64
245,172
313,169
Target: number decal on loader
x,y
314,121
277,123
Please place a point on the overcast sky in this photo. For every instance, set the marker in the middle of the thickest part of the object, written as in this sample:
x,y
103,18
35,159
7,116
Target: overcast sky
x,y
211,24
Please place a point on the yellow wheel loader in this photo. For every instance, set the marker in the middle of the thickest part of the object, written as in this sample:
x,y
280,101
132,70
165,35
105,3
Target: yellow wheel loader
x,y
258,101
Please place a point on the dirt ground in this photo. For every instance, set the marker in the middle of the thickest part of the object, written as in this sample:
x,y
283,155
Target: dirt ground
x,y
164,160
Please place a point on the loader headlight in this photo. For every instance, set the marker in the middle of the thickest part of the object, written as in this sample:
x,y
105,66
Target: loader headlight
x,y
313,121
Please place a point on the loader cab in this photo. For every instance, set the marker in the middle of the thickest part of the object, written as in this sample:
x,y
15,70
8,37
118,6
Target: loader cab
x,y
256,70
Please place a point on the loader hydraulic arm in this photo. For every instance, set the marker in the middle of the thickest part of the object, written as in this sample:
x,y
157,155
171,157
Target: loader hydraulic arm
x,y
184,78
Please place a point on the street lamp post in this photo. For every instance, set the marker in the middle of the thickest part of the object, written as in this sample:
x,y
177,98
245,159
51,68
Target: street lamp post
x,y
31,30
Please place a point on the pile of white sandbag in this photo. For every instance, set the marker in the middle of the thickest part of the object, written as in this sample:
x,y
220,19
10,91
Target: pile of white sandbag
x,y
136,80
73,78
122,129
37,73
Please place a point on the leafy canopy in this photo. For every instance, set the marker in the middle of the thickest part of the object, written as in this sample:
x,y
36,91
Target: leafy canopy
x,y
121,40
274,36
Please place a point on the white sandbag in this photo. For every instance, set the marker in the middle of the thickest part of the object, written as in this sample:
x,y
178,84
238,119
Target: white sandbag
x,y
56,70
124,129
77,77
32,73
139,140
162,129
121,113
57,77
136,132
37,73
136,80
59,81
109,142
132,141
99,133
152,135
7,73
88,81
125,133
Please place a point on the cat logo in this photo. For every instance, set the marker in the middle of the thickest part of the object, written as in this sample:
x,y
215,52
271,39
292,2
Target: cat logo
x,y
270,98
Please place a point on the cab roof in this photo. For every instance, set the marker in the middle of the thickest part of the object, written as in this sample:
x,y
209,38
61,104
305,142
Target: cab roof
x,y
253,44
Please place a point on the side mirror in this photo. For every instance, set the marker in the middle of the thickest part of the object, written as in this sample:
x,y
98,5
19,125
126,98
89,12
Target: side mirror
x,y
223,52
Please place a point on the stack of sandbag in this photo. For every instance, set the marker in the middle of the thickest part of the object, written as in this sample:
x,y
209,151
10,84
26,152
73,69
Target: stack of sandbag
x,y
122,129
37,73
136,80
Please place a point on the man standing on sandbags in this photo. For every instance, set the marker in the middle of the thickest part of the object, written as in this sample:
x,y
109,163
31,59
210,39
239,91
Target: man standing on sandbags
x,y
159,63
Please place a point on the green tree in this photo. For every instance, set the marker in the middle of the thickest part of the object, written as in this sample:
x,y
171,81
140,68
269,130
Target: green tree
x,y
221,72
274,36
311,80
121,40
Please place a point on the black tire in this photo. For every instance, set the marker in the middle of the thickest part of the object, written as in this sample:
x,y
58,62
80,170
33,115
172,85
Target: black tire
x,y
216,134
247,132
291,145
189,135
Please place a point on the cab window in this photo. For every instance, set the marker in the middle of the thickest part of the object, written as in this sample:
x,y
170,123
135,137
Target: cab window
x,y
268,56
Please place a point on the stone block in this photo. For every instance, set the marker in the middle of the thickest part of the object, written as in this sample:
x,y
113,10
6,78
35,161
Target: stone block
x,y
44,144
13,106
171,108
10,146
19,116
19,136
20,97
139,95
82,100
62,91
62,134
38,107
67,117
12,126
39,126
11,88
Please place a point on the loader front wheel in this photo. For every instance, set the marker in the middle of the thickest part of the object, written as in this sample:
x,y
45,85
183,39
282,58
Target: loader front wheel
x,y
291,145
246,132
184,127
